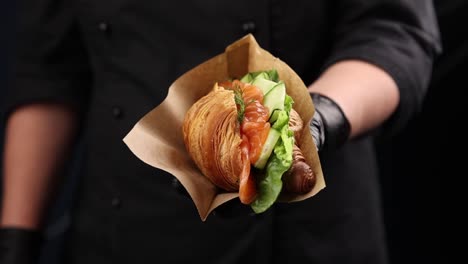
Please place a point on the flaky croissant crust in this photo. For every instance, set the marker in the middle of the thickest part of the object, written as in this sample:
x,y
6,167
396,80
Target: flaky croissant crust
x,y
212,137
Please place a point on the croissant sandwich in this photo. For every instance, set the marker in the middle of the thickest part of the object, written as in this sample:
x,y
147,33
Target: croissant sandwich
x,y
244,136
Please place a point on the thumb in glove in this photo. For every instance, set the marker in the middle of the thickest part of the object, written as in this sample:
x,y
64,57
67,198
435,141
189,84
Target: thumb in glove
x,y
329,127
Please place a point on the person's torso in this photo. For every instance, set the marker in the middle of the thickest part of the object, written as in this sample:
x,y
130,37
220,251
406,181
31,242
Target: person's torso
x,y
136,50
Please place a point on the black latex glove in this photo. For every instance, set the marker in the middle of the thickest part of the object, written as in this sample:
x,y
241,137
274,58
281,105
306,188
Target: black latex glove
x,y
330,128
19,246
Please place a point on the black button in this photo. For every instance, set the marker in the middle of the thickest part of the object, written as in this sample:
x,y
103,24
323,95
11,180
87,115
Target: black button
x,y
117,112
249,27
103,26
116,202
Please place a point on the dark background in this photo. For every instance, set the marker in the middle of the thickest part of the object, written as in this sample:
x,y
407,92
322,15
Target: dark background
x,y
415,166
6,16
410,164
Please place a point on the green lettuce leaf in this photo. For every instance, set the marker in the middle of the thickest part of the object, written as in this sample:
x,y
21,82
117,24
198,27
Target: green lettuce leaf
x,y
288,104
269,187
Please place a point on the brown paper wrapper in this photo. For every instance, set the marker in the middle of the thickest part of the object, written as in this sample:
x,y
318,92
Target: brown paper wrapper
x,y
157,138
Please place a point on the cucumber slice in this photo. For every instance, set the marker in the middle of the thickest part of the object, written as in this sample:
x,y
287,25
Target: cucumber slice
x,y
274,116
264,84
247,78
260,75
274,99
273,136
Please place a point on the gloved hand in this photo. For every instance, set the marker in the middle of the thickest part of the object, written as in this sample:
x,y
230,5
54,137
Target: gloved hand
x,y
19,246
329,127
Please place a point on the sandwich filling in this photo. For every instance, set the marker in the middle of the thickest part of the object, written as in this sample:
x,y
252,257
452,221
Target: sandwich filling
x,y
263,109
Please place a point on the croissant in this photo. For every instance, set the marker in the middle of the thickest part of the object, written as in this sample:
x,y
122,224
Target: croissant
x,y
211,135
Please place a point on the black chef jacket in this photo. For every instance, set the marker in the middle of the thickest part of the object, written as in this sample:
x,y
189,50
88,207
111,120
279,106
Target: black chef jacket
x,y
114,60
